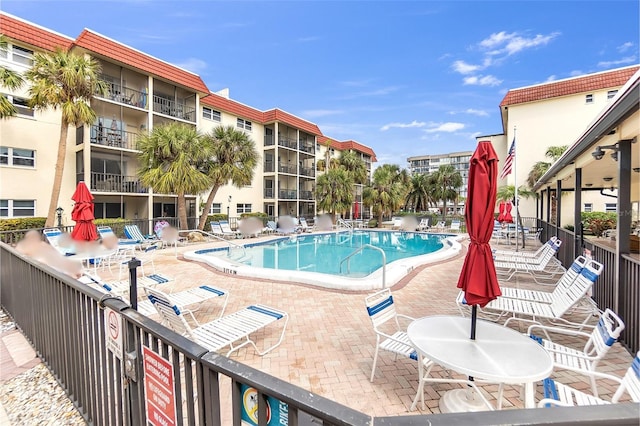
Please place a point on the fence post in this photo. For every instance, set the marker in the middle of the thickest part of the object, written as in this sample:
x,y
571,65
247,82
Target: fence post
x,y
132,360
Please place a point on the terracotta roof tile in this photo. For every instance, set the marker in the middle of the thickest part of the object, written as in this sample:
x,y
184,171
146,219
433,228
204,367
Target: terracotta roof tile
x,y
31,34
598,81
111,49
349,144
236,108
292,120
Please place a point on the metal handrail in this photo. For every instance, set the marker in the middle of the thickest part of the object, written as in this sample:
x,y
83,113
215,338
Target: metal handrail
x,y
343,223
361,248
231,243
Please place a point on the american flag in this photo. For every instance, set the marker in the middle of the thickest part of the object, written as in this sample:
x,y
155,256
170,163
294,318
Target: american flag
x,y
508,163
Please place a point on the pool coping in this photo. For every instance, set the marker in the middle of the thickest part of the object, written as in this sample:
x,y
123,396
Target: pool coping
x,y
395,271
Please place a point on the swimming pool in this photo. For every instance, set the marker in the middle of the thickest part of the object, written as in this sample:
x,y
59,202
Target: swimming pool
x,y
328,260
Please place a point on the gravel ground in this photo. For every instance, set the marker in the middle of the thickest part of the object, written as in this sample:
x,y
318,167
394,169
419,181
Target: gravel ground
x,y
34,397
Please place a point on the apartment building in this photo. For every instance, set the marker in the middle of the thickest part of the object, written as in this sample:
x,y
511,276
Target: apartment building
x,y
425,164
555,114
143,92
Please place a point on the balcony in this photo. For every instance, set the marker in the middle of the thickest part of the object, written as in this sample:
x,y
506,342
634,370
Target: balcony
x,y
268,140
307,147
268,193
287,142
306,195
105,136
110,182
287,194
124,95
286,168
173,108
269,166
307,171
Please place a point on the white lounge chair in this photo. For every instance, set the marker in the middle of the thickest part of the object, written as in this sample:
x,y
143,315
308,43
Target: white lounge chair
x,y
53,235
599,341
216,230
226,229
147,256
222,332
185,298
133,233
507,255
455,226
558,394
544,269
304,227
393,338
533,312
423,225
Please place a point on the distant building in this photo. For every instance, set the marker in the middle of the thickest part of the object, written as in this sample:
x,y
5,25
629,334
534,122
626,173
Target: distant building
x,y
425,164
554,114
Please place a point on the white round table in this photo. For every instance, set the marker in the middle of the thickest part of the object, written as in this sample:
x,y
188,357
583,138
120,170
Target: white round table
x,y
498,354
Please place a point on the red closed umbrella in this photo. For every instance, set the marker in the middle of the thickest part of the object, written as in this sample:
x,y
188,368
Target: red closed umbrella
x,y
501,212
507,212
82,214
356,210
478,277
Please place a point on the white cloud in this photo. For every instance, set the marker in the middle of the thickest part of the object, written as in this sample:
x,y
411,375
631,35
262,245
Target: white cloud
x,y
464,68
357,83
308,39
482,80
445,127
414,123
624,47
622,61
576,73
313,113
478,112
551,78
512,43
194,65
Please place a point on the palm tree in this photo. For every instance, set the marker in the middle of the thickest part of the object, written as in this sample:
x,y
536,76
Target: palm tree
x,y
387,191
234,159
446,181
508,193
352,163
12,81
419,195
334,191
67,81
172,156
541,167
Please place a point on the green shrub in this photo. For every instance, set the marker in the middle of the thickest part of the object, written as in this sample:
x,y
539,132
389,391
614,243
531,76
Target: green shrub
x,y
117,225
214,218
598,222
20,226
569,228
373,223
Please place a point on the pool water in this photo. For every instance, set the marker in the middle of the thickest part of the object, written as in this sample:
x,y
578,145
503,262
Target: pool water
x,y
325,253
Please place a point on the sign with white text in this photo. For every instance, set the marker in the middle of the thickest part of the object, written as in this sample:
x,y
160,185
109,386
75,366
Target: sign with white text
x,y
160,398
113,330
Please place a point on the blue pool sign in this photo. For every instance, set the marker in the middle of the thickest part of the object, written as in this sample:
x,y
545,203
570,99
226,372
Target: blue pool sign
x,y
277,411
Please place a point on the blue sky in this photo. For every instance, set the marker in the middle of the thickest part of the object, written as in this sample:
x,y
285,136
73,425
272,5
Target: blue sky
x,y
406,78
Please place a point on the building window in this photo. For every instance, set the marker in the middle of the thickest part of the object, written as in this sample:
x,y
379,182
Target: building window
x,y
211,114
22,56
243,208
611,93
216,208
588,207
17,208
21,104
588,98
17,157
244,124
610,207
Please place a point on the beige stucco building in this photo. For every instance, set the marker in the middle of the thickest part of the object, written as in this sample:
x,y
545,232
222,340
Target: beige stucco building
x,y
555,114
143,92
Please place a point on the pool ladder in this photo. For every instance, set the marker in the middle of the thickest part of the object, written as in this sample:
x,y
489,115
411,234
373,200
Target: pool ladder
x,y
361,248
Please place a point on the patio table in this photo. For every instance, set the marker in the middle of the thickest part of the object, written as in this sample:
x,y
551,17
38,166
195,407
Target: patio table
x,y
498,355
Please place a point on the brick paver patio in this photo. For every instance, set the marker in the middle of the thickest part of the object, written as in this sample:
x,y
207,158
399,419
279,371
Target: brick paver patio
x,y
329,343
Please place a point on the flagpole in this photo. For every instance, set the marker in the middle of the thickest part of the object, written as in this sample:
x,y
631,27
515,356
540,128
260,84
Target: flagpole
x,y
515,182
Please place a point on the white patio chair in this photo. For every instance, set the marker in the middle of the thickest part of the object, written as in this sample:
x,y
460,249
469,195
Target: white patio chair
x,y
534,312
216,230
510,254
226,229
224,331
185,298
423,225
546,269
145,258
304,226
559,394
455,226
394,339
599,341
271,227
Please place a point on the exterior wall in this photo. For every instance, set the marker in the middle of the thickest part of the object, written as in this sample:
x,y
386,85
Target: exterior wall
x,y
540,125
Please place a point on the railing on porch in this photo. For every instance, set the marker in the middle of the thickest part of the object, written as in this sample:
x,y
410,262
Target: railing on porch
x,y
111,182
124,95
287,142
106,136
64,321
613,288
173,108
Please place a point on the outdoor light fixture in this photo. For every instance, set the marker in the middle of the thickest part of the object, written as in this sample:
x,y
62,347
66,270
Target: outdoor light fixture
x,y
607,179
59,211
588,185
636,169
598,154
228,206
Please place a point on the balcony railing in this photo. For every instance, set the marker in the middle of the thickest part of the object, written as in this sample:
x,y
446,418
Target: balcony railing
x,y
268,140
268,193
287,194
288,142
125,95
269,166
101,135
111,182
173,108
285,168
306,195
305,147
307,171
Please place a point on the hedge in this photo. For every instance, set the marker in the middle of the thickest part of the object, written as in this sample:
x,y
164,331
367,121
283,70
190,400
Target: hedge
x,y
20,226
598,222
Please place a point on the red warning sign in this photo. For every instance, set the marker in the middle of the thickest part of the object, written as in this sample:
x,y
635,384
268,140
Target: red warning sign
x,y
158,388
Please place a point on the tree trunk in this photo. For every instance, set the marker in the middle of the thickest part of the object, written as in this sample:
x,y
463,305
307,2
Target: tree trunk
x,y
521,227
59,169
182,212
207,207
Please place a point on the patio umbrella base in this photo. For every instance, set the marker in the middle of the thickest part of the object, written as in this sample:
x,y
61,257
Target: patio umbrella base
x,y
461,401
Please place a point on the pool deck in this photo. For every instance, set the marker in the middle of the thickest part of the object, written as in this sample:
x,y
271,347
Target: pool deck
x,y
329,343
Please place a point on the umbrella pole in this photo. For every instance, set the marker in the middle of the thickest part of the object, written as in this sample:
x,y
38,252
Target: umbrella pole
x,y
474,314
133,282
